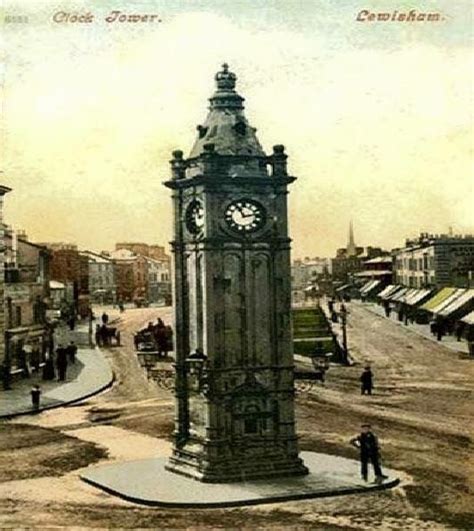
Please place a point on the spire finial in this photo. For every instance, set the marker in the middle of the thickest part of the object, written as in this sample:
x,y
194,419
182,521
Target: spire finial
x,y
225,79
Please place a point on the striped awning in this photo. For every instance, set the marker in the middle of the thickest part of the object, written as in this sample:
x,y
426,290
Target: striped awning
x,y
389,290
449,300
417,297
370,286
437,299
465,299
398,295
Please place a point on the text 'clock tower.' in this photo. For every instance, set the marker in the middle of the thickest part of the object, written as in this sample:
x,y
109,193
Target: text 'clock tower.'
x,y
235,415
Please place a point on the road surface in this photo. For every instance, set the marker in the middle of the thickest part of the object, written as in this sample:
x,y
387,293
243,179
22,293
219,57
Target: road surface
x,y
421,411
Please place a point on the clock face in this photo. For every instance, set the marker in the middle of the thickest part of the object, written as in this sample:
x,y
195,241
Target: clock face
x,y
195,217
245,215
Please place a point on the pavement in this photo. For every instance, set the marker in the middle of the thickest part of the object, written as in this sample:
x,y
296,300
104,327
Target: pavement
x,y
422,330
89,375
147,482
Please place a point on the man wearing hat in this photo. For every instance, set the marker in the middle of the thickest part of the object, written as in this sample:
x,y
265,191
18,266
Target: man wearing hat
x,y
368,445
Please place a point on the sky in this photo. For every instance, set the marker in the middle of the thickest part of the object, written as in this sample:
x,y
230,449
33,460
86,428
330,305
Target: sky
x,y
376,117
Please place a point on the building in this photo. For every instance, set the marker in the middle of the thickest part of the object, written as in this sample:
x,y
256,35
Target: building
x,y
159,279
143,272
306,276
232,291
124,273
102,286
305,272
4,369
435,261
27,276
71,268
378,268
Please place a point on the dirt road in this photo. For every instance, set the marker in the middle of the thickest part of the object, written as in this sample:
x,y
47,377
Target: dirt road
x,y
421,410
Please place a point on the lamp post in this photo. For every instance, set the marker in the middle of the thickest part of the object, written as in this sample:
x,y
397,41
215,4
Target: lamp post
x,y
343,314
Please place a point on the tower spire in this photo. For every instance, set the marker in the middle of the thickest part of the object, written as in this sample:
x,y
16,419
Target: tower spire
x,y
226,126
351,246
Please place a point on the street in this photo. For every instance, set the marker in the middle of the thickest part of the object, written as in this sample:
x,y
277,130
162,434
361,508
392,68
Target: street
x,y
421,410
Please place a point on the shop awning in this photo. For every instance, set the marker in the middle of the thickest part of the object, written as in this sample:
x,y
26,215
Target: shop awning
x,y
373,273
449,300
469,318
417,297
404,296
438,298
396,296
464,299
342,288
389,290
370,286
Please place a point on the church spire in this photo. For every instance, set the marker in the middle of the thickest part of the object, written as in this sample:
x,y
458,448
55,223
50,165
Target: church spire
x,y
351,246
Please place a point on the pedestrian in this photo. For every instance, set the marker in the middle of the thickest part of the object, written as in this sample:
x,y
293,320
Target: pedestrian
x,y
72,351
35,396
368,445
48,368
169,339
459,330
98,341
439,330
105,318
72,322
61,363
366,380
386,307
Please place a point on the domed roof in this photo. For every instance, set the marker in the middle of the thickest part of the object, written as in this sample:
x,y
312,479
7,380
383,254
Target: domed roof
x,y
226,125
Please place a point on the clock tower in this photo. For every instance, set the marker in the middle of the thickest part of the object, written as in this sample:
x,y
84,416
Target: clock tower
x,y
234,389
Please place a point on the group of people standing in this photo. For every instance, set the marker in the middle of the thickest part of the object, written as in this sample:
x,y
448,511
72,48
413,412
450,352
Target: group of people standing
x,y
64,356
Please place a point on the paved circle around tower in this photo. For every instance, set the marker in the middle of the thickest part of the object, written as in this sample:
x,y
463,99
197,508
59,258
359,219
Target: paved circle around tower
x,y
147,482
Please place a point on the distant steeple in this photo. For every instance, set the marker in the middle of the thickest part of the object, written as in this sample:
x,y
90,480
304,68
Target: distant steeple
x,y
351,246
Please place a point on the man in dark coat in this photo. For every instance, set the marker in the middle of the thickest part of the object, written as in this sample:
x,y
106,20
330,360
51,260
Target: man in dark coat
x,y
366,381
72,351
368,445
61,362
105,318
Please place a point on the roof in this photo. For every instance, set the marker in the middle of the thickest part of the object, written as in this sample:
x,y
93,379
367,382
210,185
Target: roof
x,y
464,299
226,125
453,297
379,260
96,257
438,298
123,254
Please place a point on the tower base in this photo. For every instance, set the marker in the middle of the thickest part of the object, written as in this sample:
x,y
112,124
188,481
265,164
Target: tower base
x,y
190,465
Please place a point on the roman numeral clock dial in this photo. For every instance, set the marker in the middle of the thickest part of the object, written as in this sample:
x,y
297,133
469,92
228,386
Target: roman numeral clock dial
x,y
245,216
